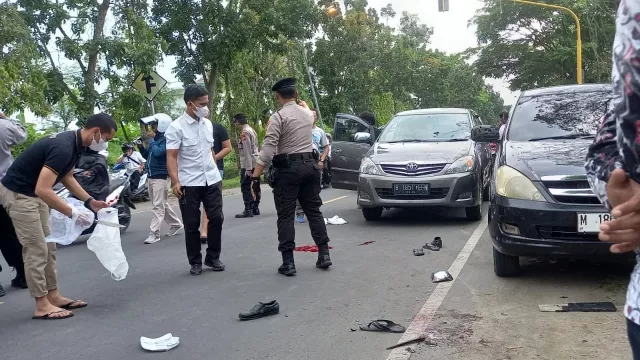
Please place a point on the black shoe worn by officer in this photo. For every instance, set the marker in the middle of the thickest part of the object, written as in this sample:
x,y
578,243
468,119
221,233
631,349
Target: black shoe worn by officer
x,y
248,153
297,174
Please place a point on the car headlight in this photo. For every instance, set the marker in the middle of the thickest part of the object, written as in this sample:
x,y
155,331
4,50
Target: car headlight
x,y
462,165
368,167
513,184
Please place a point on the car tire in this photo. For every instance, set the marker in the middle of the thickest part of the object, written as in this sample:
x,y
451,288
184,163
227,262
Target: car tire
x,y
474,213
505,265
372,214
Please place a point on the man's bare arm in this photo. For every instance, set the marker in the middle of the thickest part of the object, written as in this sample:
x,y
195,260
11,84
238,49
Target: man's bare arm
x,y
44,190
226,150
74,187
172,167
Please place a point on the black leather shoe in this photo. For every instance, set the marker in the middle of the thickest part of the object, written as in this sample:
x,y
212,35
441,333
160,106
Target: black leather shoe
x,y
261,309
244,214
196,269
256,211
214,264
287,269
2,292
19,282
324,261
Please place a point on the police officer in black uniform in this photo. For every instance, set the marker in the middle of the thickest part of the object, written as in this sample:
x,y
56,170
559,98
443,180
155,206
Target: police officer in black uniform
x,y
288,146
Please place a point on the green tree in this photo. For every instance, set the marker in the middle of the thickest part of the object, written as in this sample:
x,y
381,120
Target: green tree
x,y
534,46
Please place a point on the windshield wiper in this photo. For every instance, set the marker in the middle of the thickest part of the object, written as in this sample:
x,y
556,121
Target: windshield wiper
x,y
560,137
406,140
457,139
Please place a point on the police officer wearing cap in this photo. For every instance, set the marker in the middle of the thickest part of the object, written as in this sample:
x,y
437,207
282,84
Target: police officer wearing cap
x,y
288,145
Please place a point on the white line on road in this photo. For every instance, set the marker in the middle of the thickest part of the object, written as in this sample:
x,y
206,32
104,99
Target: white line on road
x,y
336,199
418,326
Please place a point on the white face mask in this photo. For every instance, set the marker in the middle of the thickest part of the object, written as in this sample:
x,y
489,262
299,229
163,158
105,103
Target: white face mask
x,y
99,146
201,111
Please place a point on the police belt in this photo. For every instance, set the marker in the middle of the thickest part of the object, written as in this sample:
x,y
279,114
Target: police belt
x,y
283,161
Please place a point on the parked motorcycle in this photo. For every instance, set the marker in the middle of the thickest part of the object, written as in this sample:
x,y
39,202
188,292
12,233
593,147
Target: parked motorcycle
x,y
119,198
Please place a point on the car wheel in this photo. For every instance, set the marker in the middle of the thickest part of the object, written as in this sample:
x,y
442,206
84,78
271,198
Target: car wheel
x,y
505,265
372,214
474,213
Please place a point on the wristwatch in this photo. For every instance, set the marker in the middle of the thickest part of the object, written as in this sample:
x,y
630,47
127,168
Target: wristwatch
x,y
87,203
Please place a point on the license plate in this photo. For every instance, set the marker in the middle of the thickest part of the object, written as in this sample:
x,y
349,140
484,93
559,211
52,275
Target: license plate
x,y
590,223
411,189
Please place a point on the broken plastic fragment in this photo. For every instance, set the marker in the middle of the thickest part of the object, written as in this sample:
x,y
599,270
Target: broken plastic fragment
x,y
163,343
441,276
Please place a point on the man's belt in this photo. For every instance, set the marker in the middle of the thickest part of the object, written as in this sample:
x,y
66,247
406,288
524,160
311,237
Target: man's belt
x,y
301,156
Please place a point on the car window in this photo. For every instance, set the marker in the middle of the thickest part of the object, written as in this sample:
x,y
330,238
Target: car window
x,y
346,128
427,127
558,115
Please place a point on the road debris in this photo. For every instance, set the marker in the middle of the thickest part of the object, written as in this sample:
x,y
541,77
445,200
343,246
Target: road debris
x,y
367,242
579,307
336,220
418,252
353,328
408,342
309,248
163,343
435,245
382,325
441,276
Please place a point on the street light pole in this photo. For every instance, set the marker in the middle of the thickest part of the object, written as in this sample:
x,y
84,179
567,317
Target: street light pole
x,y
578,33
313,87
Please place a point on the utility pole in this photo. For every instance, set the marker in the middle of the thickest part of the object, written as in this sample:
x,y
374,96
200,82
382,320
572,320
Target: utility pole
x,y
313,87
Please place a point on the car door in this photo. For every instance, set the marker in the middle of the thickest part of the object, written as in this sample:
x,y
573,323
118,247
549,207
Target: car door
x,y
348,149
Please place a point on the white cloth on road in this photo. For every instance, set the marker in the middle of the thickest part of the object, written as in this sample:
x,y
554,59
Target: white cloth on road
x,y
163,343
336,220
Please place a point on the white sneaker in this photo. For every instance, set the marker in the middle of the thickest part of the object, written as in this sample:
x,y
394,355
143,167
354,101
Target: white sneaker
x,y
173,231
152,239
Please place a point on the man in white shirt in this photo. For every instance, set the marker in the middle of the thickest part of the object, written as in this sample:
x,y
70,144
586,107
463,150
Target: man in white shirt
x,y
196,179
132,159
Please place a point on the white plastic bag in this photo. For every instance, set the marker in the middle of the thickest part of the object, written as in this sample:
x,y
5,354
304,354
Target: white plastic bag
x,y
64,229
105,243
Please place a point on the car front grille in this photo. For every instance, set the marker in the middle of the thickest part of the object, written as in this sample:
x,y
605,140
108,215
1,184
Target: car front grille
x,y
571,190
434,193
564,233
415,170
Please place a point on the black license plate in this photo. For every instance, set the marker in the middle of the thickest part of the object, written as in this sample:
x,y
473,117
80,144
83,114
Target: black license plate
x,y
411,189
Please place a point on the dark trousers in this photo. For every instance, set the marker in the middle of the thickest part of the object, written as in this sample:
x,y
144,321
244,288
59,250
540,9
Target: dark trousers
x,y
301,181
245,187
326,172
633,332
9,245
211,199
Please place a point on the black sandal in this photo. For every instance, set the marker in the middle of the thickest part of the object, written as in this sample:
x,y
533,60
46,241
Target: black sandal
x,y
49,317
383,326
71,306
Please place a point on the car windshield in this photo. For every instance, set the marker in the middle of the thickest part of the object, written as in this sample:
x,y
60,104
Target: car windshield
x,y
427,128
558,116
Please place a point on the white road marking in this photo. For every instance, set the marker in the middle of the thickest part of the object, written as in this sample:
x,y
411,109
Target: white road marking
x,y
336,199
420,322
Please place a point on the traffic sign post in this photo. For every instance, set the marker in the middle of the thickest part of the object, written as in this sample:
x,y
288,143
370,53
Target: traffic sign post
x,y
149,85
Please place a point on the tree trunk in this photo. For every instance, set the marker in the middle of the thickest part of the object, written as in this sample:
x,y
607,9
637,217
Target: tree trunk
x,y
234,134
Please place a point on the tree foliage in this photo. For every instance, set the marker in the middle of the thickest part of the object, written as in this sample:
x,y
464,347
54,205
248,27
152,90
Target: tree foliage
x,y
534,46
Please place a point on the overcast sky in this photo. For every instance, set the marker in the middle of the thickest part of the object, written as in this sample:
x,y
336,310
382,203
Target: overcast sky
x,y
450,32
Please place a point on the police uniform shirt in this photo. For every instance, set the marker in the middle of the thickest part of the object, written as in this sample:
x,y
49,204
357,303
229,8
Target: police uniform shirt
x,y
288,132
248,148
58,153
194,141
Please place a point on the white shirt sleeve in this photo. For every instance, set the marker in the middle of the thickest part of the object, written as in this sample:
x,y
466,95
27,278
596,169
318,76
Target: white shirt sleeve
x,y
173,136
501,130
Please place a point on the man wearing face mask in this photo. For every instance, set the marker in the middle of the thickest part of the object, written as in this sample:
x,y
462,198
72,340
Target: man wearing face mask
x,y
26,193
196,179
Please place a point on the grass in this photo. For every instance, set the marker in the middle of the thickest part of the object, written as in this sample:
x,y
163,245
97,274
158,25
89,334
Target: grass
x,y
231,183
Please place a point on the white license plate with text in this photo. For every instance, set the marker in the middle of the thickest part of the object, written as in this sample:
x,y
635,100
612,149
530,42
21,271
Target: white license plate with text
x,y
590,223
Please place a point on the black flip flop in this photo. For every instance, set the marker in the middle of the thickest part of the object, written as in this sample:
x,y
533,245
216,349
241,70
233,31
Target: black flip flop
x,y
70,305
418,252
49,317
382,325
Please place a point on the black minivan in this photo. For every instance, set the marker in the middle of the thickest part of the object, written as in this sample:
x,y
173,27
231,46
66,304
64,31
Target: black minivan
x,y
541,204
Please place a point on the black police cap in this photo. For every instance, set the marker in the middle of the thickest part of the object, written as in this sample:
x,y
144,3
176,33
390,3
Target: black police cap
x,y
284,84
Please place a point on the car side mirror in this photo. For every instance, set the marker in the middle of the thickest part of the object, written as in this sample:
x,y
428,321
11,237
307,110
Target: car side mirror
x,y
485,134
362,137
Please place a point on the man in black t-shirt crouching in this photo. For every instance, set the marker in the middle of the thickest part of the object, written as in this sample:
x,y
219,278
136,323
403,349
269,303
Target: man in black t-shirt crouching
x,y
26,193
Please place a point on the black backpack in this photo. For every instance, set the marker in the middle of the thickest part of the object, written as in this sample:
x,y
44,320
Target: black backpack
x,y
92,173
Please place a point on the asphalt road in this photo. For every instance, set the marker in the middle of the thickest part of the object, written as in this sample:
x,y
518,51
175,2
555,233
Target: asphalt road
x,y
478,316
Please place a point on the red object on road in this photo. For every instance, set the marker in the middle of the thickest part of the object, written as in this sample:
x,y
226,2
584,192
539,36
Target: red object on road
x,y
367,243
309,248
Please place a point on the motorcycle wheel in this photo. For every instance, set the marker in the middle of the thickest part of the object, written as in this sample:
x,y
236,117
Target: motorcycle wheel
x,y
124,216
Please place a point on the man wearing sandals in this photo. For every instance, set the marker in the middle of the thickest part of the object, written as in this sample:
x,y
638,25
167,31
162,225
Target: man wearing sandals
x,y
26,193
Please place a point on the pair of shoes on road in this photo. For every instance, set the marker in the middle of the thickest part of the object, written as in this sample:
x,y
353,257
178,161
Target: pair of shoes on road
x,y
214,264
261,309
154,238
288,268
